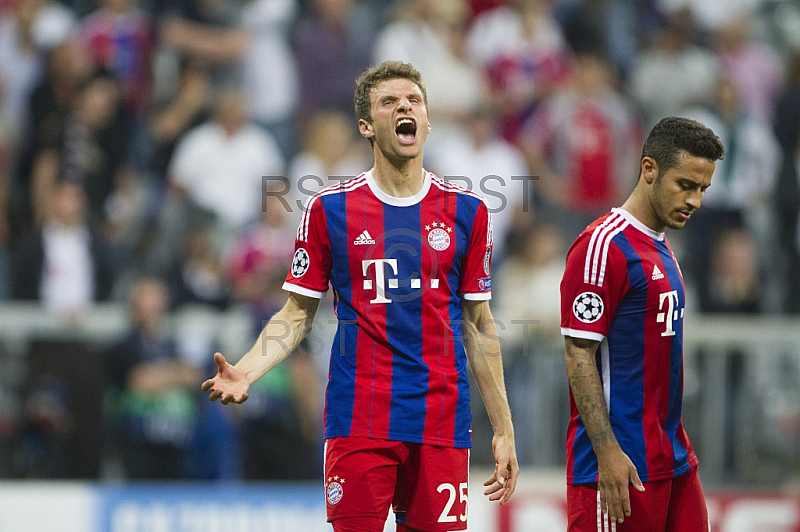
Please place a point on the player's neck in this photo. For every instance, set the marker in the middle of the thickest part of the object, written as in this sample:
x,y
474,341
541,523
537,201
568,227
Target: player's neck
x,y
401,179
639,206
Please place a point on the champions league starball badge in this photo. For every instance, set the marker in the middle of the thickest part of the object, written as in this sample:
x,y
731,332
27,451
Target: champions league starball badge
x,y
588,307
300,263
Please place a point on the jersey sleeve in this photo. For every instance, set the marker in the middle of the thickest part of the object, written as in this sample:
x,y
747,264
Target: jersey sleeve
x,y
594,282
476,281
309,273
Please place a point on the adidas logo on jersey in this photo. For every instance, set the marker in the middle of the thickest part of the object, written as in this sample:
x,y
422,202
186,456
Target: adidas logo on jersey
x,y
657,274
363,239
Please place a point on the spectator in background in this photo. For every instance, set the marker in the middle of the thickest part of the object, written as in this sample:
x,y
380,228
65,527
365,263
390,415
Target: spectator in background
x,y
270,78
28,31
330,152
787,108
583,141
8,150
63,264
257,262
674,62
281,421
528,309
206,30
745,179
186,109
755,69
153,414
46,431
733,285
492,165
786,202
89,146
431,34
118,37
523,55
50,104
199,276
217,169
333,46
21,60
220,164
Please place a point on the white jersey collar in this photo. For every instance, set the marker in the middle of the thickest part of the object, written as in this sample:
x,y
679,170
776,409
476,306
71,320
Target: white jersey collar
x,y
637,224
399,202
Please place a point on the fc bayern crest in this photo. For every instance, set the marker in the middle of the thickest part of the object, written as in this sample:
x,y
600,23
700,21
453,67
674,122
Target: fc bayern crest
x,y
439,239
300,263
333,493
588,307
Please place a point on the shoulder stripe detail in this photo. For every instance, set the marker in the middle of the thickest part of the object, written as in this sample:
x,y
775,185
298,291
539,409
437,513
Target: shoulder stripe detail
x,y
344,186
597,251
605,251
448,186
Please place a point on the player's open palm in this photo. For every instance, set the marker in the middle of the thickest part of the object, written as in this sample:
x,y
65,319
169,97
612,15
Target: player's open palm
x,y
615,473
229,384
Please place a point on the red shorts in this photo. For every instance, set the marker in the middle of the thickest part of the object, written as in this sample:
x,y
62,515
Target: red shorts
x,y
425,485
672,505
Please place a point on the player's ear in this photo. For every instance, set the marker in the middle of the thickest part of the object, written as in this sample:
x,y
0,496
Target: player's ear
x,y
648,170
365,128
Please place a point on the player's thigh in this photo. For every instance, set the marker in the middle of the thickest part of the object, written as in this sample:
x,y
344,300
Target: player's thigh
x,y
433,489
360,477
648,509
687,505
358,524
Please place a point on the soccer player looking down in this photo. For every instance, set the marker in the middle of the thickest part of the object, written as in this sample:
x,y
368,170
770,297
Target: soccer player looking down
x,y
622,302
409,258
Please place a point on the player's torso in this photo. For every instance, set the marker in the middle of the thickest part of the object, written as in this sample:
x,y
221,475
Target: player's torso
x,y
641,358
398,367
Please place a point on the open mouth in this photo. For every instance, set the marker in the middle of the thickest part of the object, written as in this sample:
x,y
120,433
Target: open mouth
x,y
406,130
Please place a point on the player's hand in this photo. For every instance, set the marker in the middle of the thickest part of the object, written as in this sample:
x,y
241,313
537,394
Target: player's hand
x,y
229,384
503,482
615,472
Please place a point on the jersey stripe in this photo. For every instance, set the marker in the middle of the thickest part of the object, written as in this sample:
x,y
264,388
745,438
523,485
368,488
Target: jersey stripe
x,y
598,232
338,188
342,373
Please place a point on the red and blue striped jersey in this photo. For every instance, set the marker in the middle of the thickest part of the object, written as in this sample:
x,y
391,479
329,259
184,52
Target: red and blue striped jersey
x,y
399,268
623,287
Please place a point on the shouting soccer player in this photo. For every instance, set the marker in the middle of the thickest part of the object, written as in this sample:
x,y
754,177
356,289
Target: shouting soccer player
x,y
630,465
409,259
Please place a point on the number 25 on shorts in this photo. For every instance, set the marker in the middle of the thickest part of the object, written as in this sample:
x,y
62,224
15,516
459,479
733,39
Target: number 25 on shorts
x,y
447,516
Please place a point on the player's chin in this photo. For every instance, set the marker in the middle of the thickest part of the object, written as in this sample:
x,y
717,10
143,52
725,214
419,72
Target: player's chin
x,y
676,222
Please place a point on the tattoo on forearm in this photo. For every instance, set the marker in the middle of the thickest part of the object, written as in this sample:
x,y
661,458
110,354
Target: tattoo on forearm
x,y
587,390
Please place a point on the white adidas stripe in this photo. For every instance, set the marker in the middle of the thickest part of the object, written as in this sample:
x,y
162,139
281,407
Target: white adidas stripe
x,y
603,524
345,186
598,248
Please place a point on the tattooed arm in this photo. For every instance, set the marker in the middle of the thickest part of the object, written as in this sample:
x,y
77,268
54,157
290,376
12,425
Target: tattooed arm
x,y
615,469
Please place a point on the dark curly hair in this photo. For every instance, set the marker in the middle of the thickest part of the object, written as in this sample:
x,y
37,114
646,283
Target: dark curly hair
x,y
370,79
673,135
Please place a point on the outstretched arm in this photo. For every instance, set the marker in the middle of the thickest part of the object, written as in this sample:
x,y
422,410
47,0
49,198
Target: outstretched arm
x,y
280,336
615,469
483,352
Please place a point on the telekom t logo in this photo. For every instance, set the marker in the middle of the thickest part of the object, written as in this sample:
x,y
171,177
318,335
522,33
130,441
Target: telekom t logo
x,y
671,314
382,281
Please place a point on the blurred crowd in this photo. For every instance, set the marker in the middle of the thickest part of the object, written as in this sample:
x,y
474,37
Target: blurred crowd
x,y
157,153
